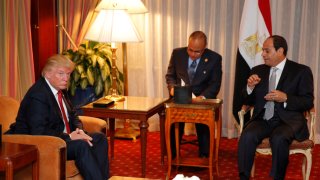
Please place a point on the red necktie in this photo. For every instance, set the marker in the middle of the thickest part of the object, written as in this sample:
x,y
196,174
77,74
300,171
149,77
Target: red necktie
x,y
63,111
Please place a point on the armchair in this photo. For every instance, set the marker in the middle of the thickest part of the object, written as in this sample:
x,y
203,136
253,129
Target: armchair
x,y
305,147
52,150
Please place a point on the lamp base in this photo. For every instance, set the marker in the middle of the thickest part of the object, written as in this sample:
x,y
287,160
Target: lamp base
x,y
115,97
127,132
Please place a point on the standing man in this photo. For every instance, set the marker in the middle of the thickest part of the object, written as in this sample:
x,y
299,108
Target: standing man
x,y
46,110
280,91
200,68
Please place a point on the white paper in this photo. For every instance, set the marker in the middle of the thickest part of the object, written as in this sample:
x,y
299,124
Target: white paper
x,y
182,83
182,177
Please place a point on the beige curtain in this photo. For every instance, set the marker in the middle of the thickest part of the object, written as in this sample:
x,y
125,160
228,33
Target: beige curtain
x,y
16,59
75,16
168,24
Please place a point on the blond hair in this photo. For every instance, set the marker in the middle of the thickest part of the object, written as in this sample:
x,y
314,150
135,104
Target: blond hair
x,y
55,61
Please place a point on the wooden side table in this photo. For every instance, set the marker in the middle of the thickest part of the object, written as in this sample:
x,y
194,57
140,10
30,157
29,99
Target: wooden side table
x,y
14,156
207,113
138,108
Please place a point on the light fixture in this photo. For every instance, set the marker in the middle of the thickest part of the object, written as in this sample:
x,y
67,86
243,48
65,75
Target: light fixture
x,y
132,6
113,26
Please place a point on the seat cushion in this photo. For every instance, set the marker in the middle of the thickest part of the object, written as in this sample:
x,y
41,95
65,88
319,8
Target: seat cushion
x,y
71,169
92,124
306,144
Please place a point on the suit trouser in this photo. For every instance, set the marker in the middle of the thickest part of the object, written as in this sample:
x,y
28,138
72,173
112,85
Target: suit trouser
x,y
281,136
92,162
203,138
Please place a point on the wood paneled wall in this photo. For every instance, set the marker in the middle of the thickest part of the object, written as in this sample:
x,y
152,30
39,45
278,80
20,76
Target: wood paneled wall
x,y
44,32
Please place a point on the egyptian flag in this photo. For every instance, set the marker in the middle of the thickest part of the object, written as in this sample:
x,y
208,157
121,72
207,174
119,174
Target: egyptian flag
x,y
255,27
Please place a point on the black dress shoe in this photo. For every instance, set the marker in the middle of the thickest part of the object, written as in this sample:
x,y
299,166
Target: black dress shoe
x,y
242,176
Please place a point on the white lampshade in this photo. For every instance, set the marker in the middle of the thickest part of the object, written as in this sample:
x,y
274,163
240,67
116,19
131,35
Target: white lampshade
x,y
113,25
132,6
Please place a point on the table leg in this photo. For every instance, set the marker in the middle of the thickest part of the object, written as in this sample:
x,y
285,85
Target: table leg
x,y
143,135
218,124
9,170
162,135
111,129
35,170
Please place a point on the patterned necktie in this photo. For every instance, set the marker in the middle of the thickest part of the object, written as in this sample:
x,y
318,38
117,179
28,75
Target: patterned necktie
x,y
268,114
63,112
192,70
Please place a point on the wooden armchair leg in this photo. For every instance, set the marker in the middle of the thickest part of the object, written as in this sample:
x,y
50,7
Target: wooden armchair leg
x,y
309,164
304,167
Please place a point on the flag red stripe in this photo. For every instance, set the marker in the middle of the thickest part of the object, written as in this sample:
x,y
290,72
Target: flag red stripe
x,y
264,6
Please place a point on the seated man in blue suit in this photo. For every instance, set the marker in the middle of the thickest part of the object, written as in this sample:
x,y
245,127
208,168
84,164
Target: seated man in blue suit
x,y
200,68
46,110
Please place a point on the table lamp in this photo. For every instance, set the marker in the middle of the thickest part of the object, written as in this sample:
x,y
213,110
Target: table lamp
x,y
113,26
122,7
132,7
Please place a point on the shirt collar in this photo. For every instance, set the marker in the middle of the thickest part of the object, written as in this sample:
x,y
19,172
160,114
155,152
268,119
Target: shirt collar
x,y
190,61
280,66
53,90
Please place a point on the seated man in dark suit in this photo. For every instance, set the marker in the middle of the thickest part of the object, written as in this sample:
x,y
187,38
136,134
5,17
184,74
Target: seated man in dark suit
x,y
200,68
280,91
46,110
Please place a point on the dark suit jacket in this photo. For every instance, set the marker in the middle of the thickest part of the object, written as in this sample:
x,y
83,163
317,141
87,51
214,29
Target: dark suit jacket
x,y
297,82
39,113
207,79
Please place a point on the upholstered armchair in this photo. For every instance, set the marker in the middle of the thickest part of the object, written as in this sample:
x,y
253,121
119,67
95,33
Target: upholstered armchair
x,y
52,150
305,147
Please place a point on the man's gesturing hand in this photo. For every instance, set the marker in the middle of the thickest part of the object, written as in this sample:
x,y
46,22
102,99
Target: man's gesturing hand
x,y
253,80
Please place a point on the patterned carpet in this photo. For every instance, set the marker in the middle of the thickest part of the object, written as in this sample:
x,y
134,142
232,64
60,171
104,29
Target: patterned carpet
x,y
127,161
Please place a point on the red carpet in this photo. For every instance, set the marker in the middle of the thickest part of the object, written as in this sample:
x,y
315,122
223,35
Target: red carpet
x,y
127,161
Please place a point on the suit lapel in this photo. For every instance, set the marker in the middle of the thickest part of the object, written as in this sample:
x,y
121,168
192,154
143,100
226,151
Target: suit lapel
x,y
53,100
201,65
265,74
185,64
284,75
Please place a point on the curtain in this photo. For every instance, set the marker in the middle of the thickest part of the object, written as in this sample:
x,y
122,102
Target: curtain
x,y
75,16
168,24
16,58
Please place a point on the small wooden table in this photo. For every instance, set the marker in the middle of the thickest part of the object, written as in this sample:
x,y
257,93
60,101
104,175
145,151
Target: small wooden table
x,y
206,112
14,156
138,108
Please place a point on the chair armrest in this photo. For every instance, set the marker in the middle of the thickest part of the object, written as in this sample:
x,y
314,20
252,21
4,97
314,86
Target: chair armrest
x,y
241,113
52,153
312,118
92,124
